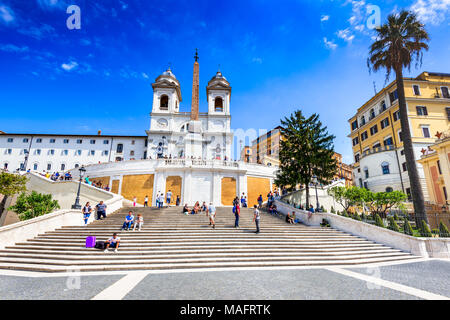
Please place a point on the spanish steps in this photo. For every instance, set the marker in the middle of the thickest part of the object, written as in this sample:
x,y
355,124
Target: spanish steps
x,y
172,240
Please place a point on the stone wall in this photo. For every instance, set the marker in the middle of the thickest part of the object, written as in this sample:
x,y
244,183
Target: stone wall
x,y
255,187
138,186
173,183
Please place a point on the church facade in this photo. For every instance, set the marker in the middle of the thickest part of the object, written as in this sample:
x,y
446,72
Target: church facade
x,y
188,153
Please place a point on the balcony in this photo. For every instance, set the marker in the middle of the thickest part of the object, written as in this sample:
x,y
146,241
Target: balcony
x,y
378,150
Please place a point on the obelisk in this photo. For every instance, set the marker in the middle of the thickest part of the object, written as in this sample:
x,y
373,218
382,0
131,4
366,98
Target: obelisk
x,y
194,139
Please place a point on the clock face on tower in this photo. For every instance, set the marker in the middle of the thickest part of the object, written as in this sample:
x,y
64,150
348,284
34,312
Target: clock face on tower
x,y
162,123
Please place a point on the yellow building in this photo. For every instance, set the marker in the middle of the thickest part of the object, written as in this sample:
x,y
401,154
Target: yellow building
x,y
380,164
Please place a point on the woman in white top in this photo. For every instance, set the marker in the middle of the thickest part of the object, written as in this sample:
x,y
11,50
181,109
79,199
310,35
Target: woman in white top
x,y
139,221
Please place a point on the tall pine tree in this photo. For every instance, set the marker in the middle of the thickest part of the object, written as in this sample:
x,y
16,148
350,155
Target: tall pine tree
x,y
306,150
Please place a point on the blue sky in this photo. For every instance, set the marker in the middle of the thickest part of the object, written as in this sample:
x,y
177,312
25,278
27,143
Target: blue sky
x,y
278,56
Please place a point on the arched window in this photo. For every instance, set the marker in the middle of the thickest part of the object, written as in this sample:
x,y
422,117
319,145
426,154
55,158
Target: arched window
x,y
35,167
63,167
164,103
76,165
218,104
389,189
385,168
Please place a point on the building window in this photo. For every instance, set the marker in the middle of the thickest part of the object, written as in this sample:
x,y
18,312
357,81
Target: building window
x,y
92,141
396,115
39,140
354,125
408,193
79,141
49,166
383,106
164,103
385,167
25,140
372,114
51,152
35,167
63,167
421,111
119,148
366,186
400,136
105,152
105,141
363,120
9,151
65,152
373,130
38,151
445,93
364,136
366,173
355,141
404,168
439,166
388,142
52,140
357,157
389,189
445,192
92,153
384,123
77,165
10,140
66,141
402,152
393,96
218,104
376,145
78,153
133,142
416,89
448,113
426,132
132,153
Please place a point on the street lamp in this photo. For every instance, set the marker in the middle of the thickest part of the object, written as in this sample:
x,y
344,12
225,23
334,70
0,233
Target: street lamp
x,y
77,205
315,181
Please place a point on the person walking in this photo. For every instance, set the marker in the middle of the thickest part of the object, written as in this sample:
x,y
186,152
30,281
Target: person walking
x,y
146,201
256,218
237,214
134,201
168,197
177,203
212,215
87,210
260,201
101,210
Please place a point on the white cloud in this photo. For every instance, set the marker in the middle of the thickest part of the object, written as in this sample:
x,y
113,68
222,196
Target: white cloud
x,y
69,66
324,18
6,14
53,4
38,32
13,48
329,44
257,60
431,11
346,35
145,75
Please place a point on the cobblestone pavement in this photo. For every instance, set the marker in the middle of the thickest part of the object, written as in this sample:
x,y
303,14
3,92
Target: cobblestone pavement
x,y
428,279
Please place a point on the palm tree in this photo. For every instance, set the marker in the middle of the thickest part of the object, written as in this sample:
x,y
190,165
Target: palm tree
x,y
400,41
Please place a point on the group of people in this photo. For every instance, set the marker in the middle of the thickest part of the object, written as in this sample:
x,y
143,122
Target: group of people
x,y
130,220
159,200
87,210
56,176
97,184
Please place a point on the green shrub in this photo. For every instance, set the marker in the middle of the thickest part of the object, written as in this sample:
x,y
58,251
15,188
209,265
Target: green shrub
x,y
29,206
332,210
435,231
396,218
443,230
393,225
345,214
425,230
357,217
407,229
378,221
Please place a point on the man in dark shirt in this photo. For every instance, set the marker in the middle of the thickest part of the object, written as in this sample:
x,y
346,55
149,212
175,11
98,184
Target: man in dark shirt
x,y
101,210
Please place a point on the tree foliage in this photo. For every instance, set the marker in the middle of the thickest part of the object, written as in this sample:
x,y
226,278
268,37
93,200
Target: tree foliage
x,y
306,150
443,230
33,205
11,184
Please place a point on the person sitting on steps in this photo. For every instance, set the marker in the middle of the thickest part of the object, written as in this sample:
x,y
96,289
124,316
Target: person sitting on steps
x,y
139,222
129,219
113,242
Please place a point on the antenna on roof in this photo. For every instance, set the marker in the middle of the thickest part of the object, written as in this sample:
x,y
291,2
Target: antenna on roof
x,y
374,87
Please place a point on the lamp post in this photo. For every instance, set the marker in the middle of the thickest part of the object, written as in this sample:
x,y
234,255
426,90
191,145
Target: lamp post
x,y
77,205
315,181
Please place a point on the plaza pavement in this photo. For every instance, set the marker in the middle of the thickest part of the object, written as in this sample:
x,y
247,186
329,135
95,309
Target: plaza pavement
x,y
421,279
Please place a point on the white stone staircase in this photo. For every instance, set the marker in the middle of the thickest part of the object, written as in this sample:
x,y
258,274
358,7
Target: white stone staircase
x,y
171,240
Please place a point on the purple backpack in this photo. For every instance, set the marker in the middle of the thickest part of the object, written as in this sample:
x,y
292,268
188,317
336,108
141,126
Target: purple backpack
x,y
90,242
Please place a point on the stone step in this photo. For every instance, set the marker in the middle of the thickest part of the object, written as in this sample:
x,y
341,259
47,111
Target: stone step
x,y
176,260
223,264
